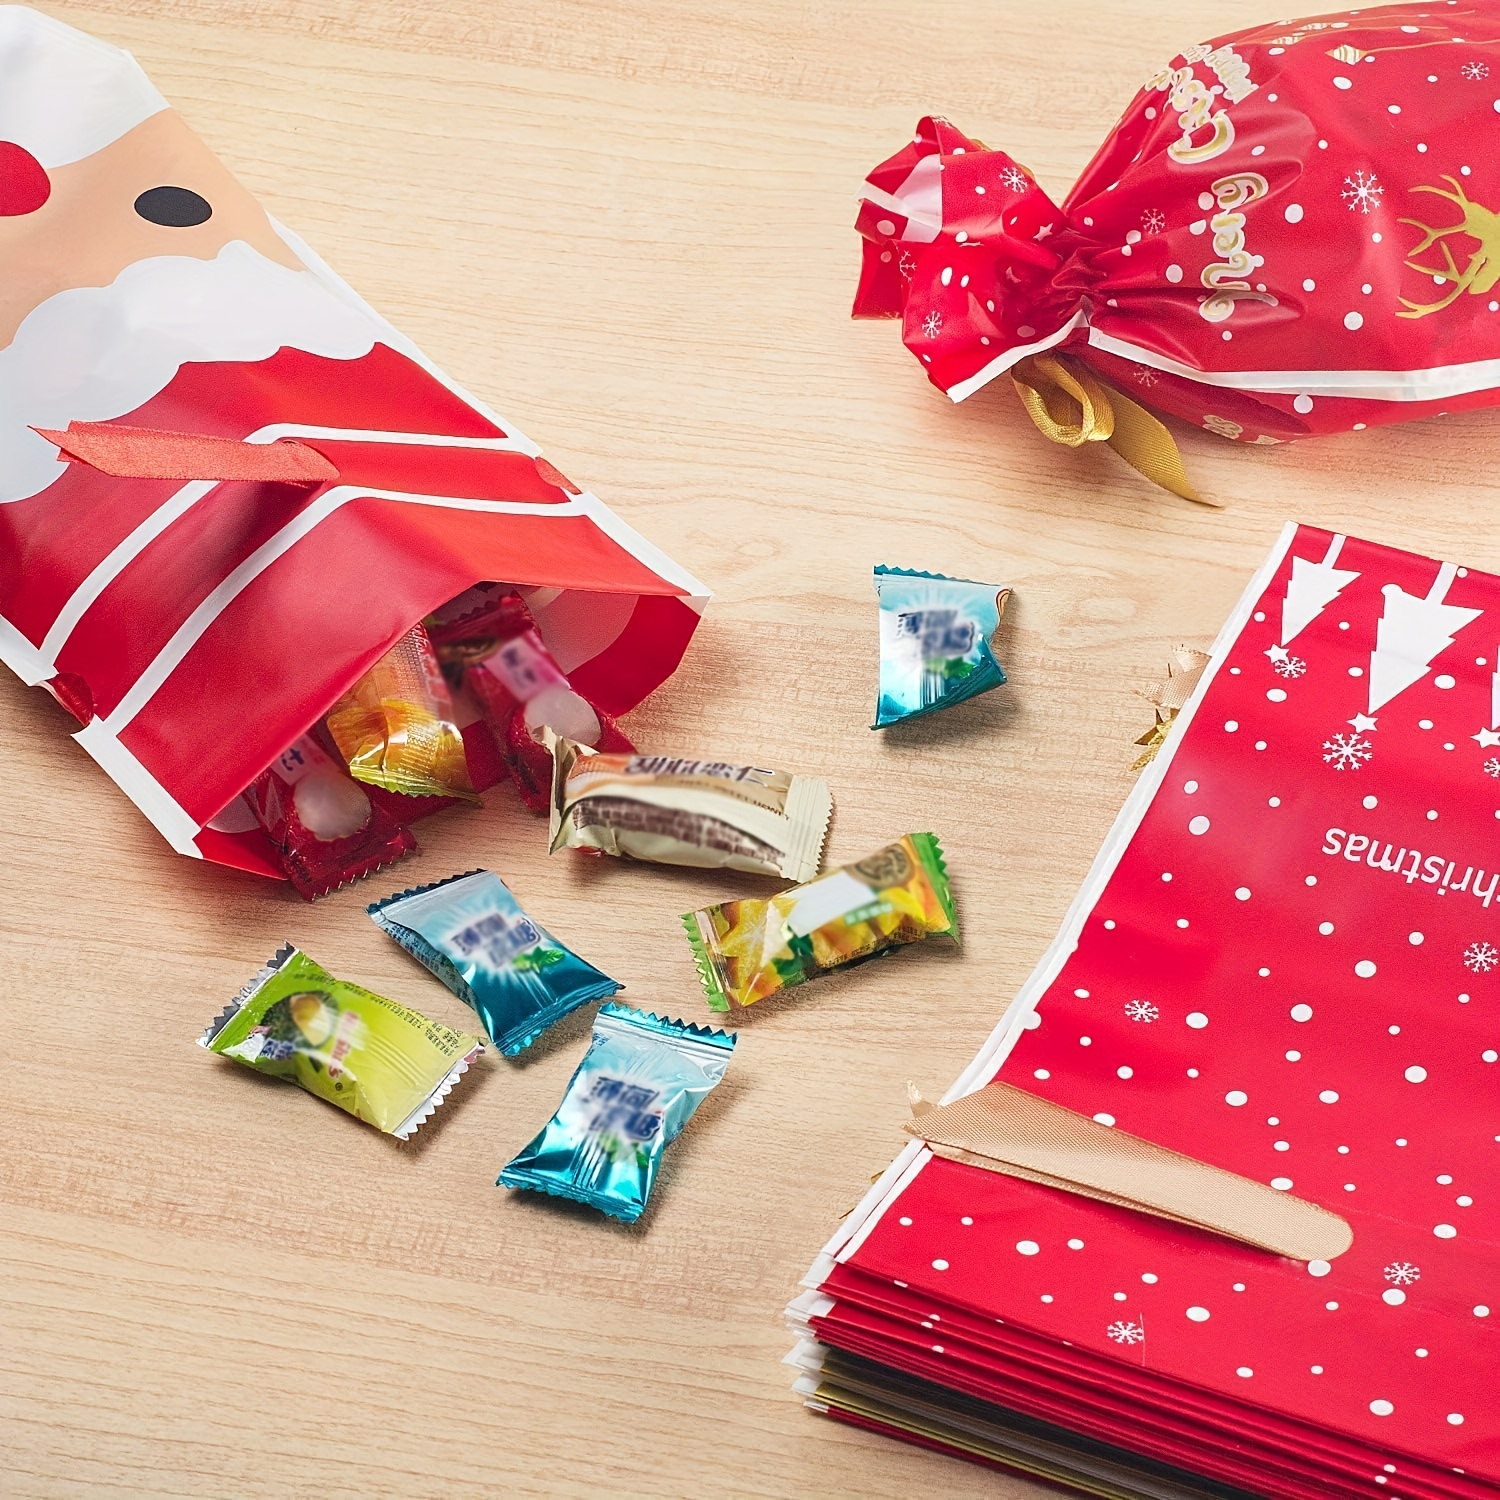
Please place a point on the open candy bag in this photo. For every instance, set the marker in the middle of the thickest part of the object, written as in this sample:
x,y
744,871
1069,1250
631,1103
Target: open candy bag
x,y
228,488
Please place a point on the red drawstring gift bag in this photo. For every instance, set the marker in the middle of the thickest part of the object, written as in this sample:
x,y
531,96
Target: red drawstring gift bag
x,y
1293,230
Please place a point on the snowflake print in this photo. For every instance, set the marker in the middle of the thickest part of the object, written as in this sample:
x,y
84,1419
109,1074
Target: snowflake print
x,y
1481,957
1125,1333
1492,767
1290,666
907,264
1141,1010
1153,221
932,324
1362,191
1402,1273
1145,375
1475,70
1346,752
1015,179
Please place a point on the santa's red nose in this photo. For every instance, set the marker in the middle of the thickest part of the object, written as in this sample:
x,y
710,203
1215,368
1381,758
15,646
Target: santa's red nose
x,y
24,184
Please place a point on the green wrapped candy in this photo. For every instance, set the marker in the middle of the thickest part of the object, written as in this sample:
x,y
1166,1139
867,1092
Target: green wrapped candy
x,y
375,1059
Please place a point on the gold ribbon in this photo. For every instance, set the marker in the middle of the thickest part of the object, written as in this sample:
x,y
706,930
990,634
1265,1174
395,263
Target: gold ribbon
x,y
1184,669
1072,406
1007,1130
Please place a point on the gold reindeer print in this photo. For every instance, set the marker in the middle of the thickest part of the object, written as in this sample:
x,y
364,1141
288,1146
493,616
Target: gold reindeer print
x,y
1481,273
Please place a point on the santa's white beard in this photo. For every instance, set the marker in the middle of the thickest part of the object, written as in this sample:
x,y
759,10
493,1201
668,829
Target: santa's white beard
x,y
92,354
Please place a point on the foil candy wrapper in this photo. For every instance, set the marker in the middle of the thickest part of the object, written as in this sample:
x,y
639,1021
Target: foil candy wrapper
x,y
374,1059
750,949
514,678
705,813
395,726
935,635
325,827
471,932
636,1088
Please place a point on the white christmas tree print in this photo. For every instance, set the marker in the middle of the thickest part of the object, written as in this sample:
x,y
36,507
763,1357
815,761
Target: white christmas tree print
x,y
1346,752
1402,1273
1412,633
1123,1332
1141,1010
1312,587
1480,958
1362,192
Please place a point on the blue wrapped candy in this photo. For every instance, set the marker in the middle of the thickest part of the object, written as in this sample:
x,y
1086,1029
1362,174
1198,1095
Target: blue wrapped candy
x,y
471,932
934,642
637,1086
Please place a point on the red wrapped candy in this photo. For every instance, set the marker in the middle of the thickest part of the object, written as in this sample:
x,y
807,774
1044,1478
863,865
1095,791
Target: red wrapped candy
x,y
325,827
1294,229
519,687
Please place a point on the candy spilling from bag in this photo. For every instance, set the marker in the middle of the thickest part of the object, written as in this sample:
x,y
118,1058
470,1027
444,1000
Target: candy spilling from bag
x,y
222,534
1291,231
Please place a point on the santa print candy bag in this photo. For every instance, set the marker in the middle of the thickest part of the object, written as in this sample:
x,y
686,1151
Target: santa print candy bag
x,y
218,524
1292,230
1284,966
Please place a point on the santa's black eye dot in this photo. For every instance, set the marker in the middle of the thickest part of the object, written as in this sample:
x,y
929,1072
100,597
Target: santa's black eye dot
x,y
175,207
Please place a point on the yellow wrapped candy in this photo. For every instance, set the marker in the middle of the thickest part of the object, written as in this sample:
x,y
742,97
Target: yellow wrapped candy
x,y
747,950
395,726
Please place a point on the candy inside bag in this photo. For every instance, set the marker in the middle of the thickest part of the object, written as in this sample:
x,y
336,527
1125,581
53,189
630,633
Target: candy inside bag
x,y
522,691
638,1084
395,726
374,1059
470,931
529,761
468,628
748,950
687,811
326,829
935,635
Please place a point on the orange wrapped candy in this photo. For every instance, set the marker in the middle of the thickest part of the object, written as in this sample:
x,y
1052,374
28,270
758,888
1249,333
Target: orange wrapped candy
x,y
395,726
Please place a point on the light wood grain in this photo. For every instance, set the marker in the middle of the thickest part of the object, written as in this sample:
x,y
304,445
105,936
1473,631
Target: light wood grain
x,y
627,224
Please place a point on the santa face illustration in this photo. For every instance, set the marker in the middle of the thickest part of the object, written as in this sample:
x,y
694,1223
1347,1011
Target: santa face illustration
x,y
198,628
129,251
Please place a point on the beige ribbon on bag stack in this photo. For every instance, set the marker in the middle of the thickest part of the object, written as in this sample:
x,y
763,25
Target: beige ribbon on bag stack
x,y
1006,1130
1072,406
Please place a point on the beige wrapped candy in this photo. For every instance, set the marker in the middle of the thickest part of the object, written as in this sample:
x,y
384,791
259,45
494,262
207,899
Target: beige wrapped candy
x,y
675,811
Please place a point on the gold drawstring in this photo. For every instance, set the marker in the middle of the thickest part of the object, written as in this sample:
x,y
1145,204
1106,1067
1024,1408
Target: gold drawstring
x,y
1072,406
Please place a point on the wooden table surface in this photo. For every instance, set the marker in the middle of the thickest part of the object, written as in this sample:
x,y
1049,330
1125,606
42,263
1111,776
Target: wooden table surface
x,y
626,223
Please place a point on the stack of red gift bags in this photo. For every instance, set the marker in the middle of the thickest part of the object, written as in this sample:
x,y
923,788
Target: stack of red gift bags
x,y
1284,967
